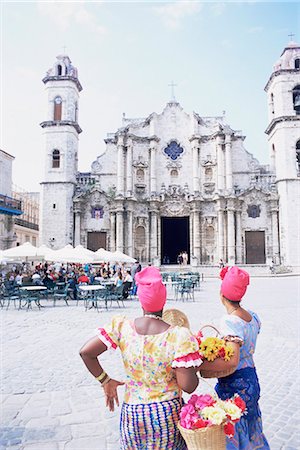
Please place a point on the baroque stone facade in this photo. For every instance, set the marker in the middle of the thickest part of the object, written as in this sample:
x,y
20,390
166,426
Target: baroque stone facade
x,y
167,183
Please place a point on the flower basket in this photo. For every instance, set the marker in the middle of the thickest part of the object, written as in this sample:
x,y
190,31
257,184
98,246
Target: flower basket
x,y
210,373
206,420
210,438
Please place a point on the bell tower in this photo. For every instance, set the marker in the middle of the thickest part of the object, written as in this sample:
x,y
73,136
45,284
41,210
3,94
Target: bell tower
x,y
61,130
283,93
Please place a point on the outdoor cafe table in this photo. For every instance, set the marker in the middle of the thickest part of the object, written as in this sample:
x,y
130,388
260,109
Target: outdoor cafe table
x,y
91,289
35,288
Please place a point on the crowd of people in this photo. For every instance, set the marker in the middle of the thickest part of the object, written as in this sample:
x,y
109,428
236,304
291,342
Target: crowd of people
x,y
71,275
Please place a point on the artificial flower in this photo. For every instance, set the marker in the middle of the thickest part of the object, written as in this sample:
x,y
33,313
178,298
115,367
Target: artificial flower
x,y
232,410
215,414
240,402
229,429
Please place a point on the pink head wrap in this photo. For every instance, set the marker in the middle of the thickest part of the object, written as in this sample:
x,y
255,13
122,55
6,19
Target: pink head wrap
x,y
234,284
151,291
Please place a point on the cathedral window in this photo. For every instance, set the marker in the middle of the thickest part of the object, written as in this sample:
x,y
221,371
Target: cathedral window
x,y
76,112
55,159
97,213
173,150
57,108
298,157
297,63
272,103
174,175
59,70
253,211
296,99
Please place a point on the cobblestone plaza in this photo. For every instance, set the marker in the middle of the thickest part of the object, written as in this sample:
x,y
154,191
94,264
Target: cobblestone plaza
x,y
50,401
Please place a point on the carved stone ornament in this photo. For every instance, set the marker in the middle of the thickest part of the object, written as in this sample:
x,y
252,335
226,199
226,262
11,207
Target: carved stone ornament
x,y
174,165
96,167
140,222
175,209
140,163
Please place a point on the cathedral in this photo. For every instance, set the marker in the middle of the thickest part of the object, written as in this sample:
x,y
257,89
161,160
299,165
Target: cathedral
x,y
176,181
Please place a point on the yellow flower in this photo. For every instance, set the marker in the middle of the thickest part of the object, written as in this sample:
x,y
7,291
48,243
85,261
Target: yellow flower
x,y
232,410
215,414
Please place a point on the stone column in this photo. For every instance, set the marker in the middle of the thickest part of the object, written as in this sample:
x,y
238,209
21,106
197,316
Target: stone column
x,y
112,232
195,152
230,235
228,158
153,167
130,233
129,170
275,238
196,235
120,167
239,252
120,232
153,243
77,228
221,233
220,162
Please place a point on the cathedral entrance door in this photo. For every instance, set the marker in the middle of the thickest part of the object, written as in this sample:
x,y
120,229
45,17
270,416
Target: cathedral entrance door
x,y
96,240
175,238
255,247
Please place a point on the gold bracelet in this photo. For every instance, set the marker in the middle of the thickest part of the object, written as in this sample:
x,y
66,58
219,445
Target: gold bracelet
x,y
101,376
105,381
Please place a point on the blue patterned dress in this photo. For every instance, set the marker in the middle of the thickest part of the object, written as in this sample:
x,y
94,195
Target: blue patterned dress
x,y
248,431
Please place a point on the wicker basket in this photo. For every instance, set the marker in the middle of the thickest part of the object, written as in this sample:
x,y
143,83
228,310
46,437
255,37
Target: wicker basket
x,y
209,438
210,373
176,317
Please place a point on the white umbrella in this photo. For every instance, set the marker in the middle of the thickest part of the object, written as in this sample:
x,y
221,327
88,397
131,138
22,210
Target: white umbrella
x,y
68,254
102,255
122,257
26,250
83,250
47,252
2,258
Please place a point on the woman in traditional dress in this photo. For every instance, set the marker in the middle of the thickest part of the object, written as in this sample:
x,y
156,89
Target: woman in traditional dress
x,y
160,360
240,327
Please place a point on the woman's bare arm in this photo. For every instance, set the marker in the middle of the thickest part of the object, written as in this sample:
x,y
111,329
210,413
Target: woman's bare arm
x,y
89,353
187,379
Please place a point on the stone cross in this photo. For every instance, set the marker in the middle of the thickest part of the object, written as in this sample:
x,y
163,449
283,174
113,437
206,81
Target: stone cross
x,y
172,85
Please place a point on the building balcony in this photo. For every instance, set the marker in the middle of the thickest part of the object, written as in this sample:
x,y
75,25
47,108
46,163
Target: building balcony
x,y
27,224
10,206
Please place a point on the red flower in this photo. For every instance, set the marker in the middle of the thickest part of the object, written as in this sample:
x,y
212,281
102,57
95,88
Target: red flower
x,y
222,352
201,423
199,337
240,403
229,429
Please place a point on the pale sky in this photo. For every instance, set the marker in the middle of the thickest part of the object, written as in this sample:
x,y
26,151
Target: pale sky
x,y
220,55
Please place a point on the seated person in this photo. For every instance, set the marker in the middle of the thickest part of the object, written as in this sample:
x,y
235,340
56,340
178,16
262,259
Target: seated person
x,y
48,281
118,280
127,283
83,278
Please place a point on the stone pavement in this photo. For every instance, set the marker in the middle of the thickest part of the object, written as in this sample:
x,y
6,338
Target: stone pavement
x,y
50,401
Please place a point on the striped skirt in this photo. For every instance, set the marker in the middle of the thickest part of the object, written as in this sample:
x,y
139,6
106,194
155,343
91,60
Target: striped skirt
x,y
151,426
